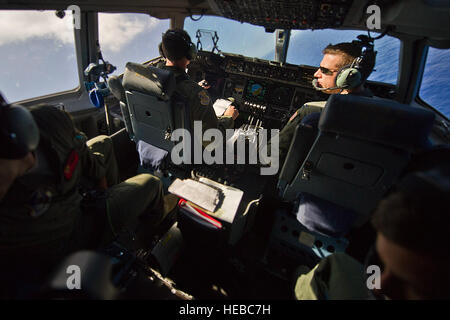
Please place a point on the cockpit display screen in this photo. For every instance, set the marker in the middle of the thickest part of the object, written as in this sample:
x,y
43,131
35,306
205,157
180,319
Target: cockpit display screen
x,y
255,91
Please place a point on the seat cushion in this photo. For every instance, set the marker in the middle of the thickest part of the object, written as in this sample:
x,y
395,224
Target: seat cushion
x,y
324,217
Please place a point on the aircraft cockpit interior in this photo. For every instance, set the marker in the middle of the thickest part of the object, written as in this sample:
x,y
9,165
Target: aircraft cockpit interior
x,y
294,181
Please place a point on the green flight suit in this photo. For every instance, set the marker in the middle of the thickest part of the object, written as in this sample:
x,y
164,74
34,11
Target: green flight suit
x,y
287,133
337,277
41,212
200,104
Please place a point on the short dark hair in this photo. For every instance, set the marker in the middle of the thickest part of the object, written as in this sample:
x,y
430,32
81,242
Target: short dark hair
x,y
348,50
416,214
175,44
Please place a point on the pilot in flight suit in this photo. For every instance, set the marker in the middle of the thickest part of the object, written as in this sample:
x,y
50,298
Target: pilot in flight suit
x,y
41,211
200,104
178,50
332,77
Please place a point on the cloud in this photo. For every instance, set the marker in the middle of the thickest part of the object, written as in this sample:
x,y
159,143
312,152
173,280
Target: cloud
x,y
20,26
117,30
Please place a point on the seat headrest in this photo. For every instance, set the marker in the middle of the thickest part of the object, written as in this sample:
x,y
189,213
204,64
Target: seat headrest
x,y
148,80
377,120
116,88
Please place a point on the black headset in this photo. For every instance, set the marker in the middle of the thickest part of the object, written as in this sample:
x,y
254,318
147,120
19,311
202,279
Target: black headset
x,y
191,50
19,133
354,74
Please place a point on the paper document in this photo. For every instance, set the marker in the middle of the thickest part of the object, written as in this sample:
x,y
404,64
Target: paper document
x,y
232,198
220,106
205,196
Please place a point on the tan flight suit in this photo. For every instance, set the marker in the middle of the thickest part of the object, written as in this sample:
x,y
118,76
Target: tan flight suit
x,y
200,104
41,212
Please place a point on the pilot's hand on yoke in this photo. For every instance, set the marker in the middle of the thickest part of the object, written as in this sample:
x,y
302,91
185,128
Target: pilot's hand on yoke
x,y
231,112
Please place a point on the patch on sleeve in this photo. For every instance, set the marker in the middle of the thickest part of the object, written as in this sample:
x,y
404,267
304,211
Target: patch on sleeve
x,y
204,97
293,116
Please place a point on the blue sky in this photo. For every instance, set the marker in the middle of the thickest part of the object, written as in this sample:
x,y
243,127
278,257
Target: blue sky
x,y
37,53
235,37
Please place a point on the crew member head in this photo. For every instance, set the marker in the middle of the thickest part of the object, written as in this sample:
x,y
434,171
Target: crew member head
x,y
19,136
413,237
177,48
338,59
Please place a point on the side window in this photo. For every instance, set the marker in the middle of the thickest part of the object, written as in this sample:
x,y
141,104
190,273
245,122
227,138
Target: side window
x,y
129,37
387,61
37,54
306,47
435,79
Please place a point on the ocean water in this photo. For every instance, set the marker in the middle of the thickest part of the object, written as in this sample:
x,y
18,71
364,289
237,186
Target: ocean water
x,y
436,79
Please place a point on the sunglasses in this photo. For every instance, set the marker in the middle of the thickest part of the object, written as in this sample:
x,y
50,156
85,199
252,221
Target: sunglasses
x,y
327,71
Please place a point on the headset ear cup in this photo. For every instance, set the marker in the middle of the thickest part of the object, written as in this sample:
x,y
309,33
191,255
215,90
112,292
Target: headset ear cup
x,y
348,78
340,81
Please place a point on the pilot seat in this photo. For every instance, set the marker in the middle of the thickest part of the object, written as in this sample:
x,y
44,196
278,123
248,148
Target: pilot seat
x,y
152,111
336,175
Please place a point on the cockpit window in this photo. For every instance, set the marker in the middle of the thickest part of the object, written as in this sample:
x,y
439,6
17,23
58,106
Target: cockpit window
x,y
129,37
234,37
305,47
435,79
37,54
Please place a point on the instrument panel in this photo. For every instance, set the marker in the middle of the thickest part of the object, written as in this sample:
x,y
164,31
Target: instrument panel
x,y
262,90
